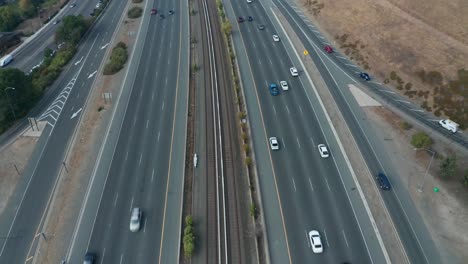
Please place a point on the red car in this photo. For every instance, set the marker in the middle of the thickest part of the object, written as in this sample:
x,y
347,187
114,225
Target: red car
x,y
154,11
328,49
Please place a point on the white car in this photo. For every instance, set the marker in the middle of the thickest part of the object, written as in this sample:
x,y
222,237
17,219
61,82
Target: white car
x,y
294,71
276,38
135,220
284,85
323,151
315,241
249,1
274,144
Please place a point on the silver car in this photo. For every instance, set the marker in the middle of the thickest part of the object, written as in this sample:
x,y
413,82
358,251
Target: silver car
x,y
135,220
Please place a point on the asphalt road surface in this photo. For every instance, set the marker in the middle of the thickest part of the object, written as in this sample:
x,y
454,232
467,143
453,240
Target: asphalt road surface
x,y
310,188
24,213
141,170
411,229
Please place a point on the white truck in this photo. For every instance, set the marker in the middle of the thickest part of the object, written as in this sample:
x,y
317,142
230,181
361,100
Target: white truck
x,y
5,60
449,125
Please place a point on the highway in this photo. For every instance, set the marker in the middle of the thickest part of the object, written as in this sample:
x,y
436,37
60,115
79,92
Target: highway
x,y
145,165
25,212
32,52
409,224
311,191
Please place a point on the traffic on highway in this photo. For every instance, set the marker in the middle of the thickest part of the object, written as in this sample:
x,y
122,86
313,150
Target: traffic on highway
x,y
230,135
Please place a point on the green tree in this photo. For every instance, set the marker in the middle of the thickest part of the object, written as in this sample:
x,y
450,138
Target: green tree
x,y
9,18
71,30
26,7
448,166
421,140
189,237
21,97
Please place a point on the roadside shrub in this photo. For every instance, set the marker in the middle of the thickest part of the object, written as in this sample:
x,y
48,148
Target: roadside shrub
x,y
117,59
135,12
448,166
189,237
421,140
248,161
405,125
253,211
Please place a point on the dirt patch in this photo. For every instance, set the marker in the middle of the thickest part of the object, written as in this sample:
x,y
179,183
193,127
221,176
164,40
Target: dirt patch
x,y
444,212
13,160
404,36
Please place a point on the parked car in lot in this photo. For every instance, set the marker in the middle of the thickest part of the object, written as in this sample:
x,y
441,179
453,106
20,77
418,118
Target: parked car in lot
x,y
315,241
274,89
274,144
294,71
365,76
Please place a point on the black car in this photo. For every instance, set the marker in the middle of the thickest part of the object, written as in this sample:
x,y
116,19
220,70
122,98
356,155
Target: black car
x,y
171,12
250,18
261,27
89,258
383,181
240,19
161,16
365,76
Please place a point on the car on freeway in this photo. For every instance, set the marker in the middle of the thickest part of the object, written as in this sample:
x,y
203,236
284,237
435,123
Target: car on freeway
x,y
73,5
98,5
365,76
274,89
249,1
315,241
261,27
284,85
171,12
383,181
323,151
135,220
89,258
328,49
250,18
56,21
92,13
162,16
276,38
240,19
274,144
154,11
294,71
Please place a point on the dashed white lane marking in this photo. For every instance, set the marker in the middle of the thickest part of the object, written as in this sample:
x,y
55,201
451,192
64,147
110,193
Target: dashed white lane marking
x,y
298,142
115,201
351,65
346,240
326,239
152,176
403,101
294,184
311,186
328,186
131,205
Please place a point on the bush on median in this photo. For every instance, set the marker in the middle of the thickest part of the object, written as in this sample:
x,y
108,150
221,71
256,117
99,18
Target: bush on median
x,y
117,59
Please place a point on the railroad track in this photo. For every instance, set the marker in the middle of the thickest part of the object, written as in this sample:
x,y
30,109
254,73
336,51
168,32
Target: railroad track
x,y
222,225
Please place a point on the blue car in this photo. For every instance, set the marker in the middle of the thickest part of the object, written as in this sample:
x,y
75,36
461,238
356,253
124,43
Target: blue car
x,y
274,89
383,181
365,76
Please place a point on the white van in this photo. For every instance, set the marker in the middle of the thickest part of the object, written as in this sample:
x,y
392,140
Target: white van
x,y
449,125
5,60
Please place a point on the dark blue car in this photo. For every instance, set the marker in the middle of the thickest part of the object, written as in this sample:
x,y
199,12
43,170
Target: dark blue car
x,y
365,76
383,181
274,89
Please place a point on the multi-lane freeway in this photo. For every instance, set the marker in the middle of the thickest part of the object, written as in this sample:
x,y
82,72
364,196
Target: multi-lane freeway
x,y
23,217
310,189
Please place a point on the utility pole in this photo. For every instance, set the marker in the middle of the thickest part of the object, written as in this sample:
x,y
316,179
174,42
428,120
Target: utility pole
x,y
9,102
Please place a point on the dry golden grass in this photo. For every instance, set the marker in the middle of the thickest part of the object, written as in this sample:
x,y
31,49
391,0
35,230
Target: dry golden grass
x,y
404,36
